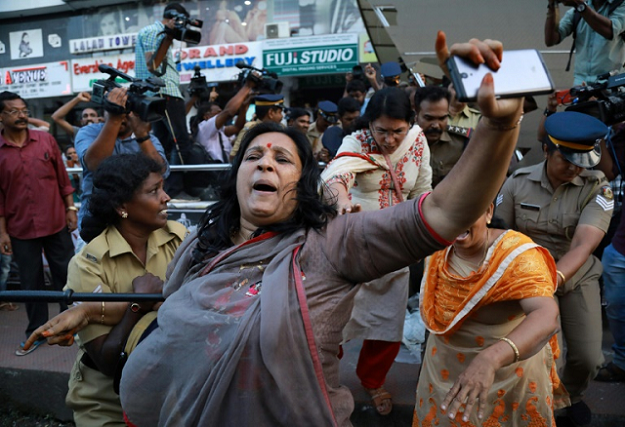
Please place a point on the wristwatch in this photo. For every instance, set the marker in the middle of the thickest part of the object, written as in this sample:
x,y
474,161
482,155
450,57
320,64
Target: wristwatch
x,y
142,140
581,7
548,112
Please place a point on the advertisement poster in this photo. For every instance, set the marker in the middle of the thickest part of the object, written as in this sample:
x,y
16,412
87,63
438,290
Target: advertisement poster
x,y
26,44
365,49
85,71
37,81
329,54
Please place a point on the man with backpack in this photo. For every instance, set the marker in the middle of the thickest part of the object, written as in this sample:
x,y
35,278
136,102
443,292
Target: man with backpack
x,y
597,27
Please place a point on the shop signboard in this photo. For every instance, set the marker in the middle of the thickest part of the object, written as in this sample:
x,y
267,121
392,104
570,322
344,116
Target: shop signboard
x,y
217,62
299,56
38,80
85,70
97,44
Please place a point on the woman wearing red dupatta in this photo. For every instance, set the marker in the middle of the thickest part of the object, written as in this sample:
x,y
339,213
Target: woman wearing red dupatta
x,y
490,359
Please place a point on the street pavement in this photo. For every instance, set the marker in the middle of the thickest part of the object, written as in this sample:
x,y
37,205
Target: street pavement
x,y
37,383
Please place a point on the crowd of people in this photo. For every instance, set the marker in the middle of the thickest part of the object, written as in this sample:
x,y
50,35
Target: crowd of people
x,y
316,232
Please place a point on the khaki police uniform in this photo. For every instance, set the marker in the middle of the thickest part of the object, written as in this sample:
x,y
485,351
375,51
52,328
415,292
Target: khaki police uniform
x,y
237,142
107,264
314,137
467,118
528,203
444,154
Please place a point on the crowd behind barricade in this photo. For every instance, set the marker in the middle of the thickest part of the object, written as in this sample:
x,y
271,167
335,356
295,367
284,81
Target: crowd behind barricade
x,y
290,261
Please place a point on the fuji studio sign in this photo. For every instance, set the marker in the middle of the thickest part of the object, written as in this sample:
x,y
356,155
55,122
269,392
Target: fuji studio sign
x,y
336,53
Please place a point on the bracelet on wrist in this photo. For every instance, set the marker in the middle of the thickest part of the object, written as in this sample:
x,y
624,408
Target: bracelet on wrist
x,y
71,208
502,127
102,311
515,349
562,276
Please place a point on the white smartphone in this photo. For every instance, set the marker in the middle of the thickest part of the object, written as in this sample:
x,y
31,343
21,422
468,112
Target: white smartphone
x,y
522,72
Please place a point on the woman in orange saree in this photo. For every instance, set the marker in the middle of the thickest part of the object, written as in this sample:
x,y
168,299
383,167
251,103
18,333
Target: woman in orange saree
x,y
487,301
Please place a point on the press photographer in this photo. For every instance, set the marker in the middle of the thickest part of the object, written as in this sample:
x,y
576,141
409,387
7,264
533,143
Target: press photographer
x,y
120,133
198,88
148,108
153,57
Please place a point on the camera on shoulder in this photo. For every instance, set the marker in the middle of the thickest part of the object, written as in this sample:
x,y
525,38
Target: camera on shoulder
x,y
148,108
265,81
183,27
198,85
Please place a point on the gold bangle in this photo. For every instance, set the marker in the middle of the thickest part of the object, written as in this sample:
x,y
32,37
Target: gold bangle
x,y
517,355
71,208
561,274
102,311
499,126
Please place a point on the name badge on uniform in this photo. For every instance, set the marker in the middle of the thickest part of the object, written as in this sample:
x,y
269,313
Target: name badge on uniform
x,y
530,207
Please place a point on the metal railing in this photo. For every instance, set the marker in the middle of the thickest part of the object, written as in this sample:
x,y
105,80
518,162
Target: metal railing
x,y
69,297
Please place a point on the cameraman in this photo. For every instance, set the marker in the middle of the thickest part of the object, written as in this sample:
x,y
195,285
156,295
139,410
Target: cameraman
x,y
153,55
120,133
596,26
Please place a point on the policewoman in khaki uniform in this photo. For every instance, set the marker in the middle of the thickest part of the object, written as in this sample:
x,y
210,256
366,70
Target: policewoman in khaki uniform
x,y
566,208
134,240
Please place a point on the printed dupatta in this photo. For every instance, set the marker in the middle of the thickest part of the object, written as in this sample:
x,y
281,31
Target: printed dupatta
x,y
226,354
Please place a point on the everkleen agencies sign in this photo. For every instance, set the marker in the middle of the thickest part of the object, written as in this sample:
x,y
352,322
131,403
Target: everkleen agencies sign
x,y
37,81
334,53
217,62
85,71
96,44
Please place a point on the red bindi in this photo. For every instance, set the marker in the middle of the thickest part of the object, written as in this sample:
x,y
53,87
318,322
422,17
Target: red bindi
x,y
269,145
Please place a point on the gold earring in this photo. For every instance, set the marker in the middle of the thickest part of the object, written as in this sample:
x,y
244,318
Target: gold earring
x,y
488,222
124,214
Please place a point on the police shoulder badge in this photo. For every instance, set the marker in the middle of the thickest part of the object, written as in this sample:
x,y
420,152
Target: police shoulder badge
x,y
606,191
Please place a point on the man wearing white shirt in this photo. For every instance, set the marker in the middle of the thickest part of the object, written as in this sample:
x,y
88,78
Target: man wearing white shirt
x,y
213,134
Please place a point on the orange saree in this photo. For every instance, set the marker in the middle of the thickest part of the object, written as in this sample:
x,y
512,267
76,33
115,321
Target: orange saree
x,y
523,393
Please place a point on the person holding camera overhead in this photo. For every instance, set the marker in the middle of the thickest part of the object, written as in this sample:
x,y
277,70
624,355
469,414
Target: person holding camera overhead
x,y
212,133
597,27
120,133
153,56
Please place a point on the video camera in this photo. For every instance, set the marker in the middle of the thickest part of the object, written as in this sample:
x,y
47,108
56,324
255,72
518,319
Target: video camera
x,y
198,86
267,82
182,30
149,109
609,103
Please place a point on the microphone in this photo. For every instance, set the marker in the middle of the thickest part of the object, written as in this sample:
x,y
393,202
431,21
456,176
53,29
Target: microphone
x,y
607,75
241,65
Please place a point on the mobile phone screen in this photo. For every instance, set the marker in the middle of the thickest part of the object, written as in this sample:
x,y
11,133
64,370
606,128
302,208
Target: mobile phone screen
x,y
522,72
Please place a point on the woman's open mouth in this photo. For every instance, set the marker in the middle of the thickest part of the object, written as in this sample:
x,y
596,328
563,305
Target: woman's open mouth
x,y
264,187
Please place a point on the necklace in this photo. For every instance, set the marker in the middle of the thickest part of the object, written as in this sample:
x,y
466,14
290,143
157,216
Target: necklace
x,y
483,255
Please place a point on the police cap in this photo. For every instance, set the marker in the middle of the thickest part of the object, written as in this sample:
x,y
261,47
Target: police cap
x,y
328,110
577,136
390,69
269,100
